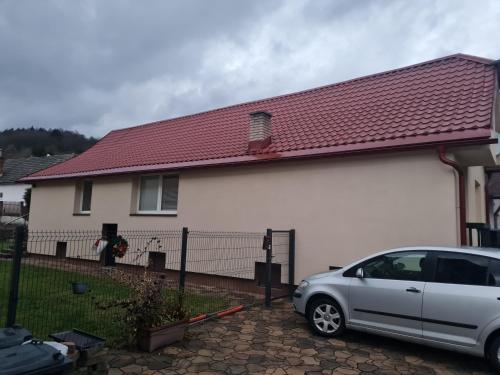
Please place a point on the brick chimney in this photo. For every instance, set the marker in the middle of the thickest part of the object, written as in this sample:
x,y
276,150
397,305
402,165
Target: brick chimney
x,y
2,162
260,131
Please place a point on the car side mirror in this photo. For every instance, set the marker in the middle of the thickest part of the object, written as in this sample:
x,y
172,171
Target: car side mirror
x,y
360,274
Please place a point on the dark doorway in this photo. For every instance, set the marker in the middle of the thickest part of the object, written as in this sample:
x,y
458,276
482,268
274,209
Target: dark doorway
x,y
157,261
61,248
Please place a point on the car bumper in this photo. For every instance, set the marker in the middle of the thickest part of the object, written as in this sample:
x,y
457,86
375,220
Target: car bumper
x,y
299,302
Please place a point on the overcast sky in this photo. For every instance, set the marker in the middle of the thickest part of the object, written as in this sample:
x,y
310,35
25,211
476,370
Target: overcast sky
x,y
94,66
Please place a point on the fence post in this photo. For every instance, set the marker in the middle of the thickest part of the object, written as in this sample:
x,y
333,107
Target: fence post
x,y
182,274
291,261
14,277
269,260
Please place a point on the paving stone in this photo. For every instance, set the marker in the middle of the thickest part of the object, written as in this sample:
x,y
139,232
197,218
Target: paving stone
x,y
277,342
132,369
205,353
236,370
121,361
309,351
310,361
367,367
294,361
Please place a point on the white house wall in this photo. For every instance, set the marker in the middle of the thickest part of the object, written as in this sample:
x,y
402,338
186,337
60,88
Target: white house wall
x,y
13,193
341,208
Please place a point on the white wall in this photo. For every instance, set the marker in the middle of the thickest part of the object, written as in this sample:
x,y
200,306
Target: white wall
x,y
341,208
13,193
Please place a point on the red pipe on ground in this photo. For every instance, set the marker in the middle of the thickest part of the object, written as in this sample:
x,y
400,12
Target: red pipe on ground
x,y
230,311
218,315
198,318
461,191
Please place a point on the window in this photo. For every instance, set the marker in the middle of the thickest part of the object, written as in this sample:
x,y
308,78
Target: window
x,y
148,197
86,197
461,269
494,273
396,266
158,194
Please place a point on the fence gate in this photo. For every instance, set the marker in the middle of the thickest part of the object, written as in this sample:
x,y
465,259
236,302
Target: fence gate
x,y
280,264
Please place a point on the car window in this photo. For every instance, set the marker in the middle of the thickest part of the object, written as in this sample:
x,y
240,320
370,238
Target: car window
x,y
494,273
406,265
466,269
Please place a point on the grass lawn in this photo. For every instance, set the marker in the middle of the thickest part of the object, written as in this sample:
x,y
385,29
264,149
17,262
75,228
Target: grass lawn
x,y
5,245
47,303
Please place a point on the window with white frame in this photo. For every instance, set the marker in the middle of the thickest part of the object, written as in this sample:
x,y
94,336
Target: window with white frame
x,y
158,194
86,197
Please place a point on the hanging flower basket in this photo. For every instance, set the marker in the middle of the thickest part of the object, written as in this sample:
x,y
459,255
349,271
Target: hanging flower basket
x,y
120,247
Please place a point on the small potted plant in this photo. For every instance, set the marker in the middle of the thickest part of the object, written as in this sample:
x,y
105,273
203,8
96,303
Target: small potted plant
x,y
154,316
160,320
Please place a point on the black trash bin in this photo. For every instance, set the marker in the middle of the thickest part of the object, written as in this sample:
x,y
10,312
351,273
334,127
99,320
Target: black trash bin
x,y
12,336
495,238
487,237
34,358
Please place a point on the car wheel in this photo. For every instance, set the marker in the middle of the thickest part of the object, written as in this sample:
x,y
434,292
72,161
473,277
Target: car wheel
x,y
494,353
326,317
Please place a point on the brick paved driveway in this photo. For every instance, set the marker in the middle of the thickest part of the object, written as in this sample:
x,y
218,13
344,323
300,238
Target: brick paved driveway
x,y
278,342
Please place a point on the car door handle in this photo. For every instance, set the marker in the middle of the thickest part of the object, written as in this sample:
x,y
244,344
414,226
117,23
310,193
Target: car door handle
x,y
413,290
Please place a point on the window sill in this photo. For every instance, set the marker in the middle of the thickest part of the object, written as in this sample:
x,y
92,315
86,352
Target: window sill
x,y
81,214
153,214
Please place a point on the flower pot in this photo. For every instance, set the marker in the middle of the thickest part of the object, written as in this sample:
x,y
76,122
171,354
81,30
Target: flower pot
x,y
150,339
79,288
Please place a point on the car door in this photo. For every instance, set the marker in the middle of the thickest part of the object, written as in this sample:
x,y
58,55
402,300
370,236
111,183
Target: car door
x,y
461,299
389,296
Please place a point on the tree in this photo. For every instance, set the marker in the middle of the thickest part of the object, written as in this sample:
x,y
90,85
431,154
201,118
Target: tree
x,y
24,142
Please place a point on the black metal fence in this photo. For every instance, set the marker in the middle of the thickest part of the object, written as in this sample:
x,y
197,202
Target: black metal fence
x,y
6,250
56,280
481,235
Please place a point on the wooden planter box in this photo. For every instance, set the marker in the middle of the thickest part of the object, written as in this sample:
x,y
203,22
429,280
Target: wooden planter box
x,y
150,339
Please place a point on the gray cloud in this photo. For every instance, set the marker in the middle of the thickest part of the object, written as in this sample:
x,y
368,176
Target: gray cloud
x,y
97,65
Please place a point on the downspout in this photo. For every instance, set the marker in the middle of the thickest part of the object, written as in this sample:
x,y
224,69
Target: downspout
x,y
461,192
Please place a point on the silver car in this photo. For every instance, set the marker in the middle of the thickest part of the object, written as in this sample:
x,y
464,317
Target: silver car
x,y
443,297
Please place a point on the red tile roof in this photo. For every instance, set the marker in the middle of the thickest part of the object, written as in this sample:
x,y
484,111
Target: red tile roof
x,y
448,99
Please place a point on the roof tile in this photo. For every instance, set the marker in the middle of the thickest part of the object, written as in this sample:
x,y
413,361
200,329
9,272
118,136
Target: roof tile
x,y
445,97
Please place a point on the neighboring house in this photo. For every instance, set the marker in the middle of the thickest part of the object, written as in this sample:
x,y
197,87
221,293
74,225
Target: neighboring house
x,y
493,195
387,160
11,170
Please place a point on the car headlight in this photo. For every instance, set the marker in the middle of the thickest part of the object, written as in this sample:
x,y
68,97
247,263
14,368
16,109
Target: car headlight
x,y
303,284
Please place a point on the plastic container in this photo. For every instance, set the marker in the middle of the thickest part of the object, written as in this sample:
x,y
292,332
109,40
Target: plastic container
x,y
79,288
35,358
82,340
13,336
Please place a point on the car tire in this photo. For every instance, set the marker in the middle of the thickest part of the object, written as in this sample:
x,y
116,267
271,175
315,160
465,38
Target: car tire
x,y
326,317
494,354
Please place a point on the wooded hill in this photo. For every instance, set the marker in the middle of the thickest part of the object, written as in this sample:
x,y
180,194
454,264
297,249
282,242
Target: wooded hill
x,y
18,143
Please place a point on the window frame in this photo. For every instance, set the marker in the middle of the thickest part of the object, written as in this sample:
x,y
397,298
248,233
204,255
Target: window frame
x,y
159,191
82,191
490,267
427,271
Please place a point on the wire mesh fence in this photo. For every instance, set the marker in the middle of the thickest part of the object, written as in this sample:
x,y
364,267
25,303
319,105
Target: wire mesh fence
x,y
222,265
65,277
